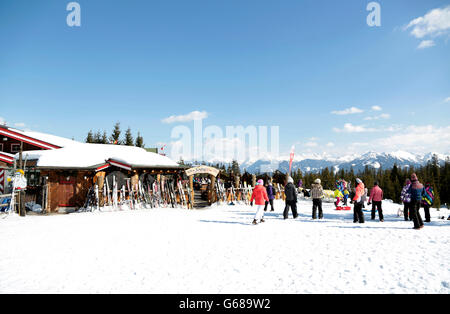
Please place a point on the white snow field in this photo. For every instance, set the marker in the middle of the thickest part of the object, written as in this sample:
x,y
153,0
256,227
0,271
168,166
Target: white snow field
x,y
217,250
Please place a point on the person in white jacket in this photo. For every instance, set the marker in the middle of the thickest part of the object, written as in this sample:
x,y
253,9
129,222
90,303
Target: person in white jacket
x,y
317,196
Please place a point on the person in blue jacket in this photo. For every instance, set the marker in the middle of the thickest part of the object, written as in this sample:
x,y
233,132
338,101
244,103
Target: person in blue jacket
x,y
271,194
417,192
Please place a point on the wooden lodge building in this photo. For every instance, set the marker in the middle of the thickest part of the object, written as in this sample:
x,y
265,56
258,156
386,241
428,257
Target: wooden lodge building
x,y
60,171
69,172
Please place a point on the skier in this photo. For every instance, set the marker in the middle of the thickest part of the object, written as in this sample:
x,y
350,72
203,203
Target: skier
x,y
406,199
317,195
260,196
428,200
376,197
291,199
271,194
417,191
358,215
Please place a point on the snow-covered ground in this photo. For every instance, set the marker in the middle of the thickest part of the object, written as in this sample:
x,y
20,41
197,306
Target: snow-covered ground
x,y
218,251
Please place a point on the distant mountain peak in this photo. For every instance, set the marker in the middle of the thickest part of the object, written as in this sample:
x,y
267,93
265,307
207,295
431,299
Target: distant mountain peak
x,y
371,159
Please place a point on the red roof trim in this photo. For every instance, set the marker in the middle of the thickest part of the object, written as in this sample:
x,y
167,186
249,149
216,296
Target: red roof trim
x,y
119,164
27,139
103,167
6,158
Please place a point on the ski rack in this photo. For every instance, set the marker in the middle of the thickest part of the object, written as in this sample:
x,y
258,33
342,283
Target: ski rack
x,y
167,193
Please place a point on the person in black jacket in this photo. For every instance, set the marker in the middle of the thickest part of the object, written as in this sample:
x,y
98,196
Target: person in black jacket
x,y
291,199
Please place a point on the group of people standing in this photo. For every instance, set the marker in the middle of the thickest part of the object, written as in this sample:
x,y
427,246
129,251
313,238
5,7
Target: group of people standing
x,y
414,195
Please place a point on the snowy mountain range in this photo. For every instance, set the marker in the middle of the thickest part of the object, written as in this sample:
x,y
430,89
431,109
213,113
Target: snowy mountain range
x,y
315,163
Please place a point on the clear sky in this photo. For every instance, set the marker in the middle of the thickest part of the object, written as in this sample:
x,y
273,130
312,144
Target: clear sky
x,y
299,64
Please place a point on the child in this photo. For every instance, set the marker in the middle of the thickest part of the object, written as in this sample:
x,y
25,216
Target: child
x,y
346,195
338,195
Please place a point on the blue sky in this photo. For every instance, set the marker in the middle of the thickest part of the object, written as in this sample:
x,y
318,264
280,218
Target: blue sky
x,y
244,62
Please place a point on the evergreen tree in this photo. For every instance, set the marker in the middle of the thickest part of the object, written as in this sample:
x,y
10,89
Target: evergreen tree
x,y
90,137
104,138
98,137
115,136
279,177
235,167
139,141
327,179
128,138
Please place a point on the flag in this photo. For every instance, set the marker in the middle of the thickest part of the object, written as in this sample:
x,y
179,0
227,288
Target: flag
x,y
162,150
291,159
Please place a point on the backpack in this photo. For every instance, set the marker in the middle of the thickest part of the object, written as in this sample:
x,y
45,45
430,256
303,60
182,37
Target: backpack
x,y
428,197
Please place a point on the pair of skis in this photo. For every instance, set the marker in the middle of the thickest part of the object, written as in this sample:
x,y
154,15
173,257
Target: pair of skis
x,y
92,200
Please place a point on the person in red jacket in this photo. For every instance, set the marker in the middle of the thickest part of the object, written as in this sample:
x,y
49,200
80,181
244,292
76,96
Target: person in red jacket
x,y
376,197
260,197
358,215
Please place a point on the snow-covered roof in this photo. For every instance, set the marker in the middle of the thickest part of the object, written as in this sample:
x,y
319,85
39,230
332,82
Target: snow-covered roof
x,y
49,138
43,140
91,156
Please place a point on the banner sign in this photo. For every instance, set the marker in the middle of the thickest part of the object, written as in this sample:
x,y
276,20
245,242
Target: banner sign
x,y
291,158
202,170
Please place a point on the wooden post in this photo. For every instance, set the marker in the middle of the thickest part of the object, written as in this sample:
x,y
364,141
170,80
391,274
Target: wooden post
x,y
253,180
191,186
213,189
237,180
135,183
100,180
21,209
44,193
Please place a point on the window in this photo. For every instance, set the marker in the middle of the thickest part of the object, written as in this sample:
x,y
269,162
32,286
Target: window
x,y
15,148
1,147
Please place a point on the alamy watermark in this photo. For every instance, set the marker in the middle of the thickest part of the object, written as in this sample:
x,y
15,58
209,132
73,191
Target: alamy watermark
x,y
214,144
374,17
74,17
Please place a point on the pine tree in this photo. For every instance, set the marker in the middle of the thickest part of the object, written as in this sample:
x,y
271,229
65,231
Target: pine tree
x,y
235,167
115,136
128,138
90,137
104,138
98,137
139,141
